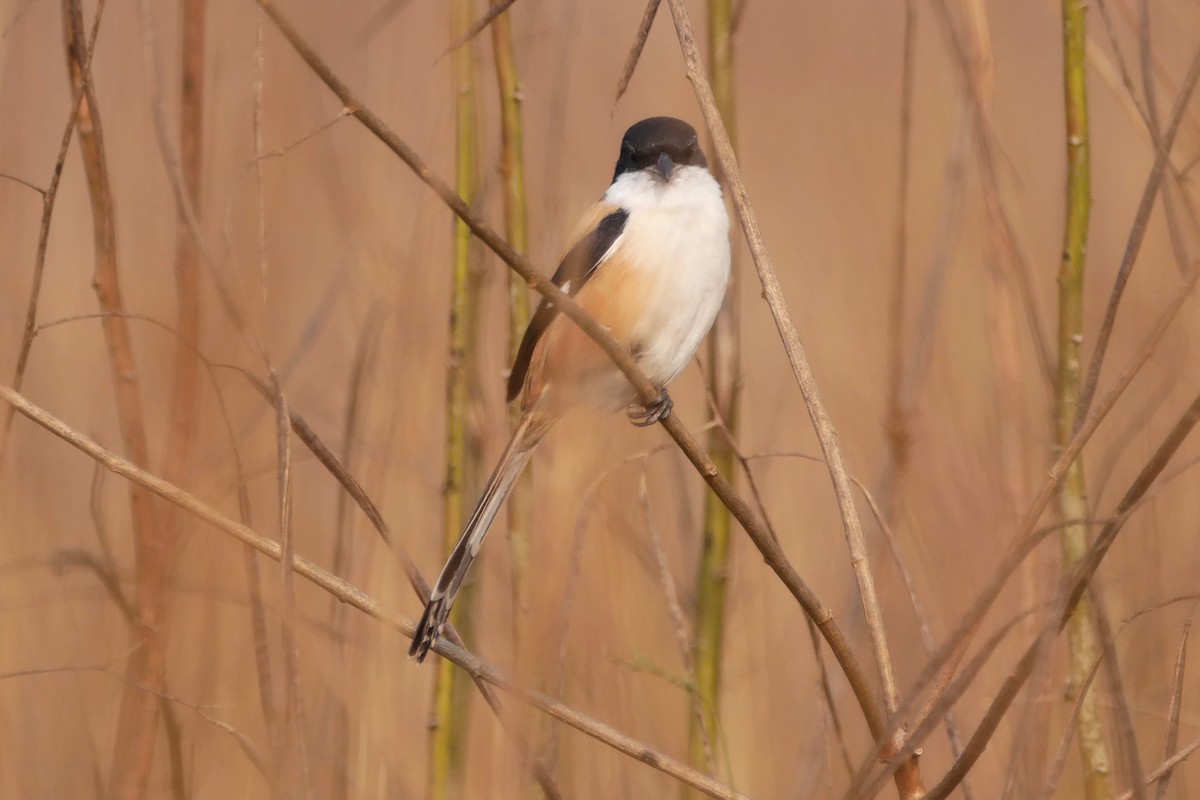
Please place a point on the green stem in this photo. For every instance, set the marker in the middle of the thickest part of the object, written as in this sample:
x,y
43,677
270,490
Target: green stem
x,y
1073,494
449,732
512,169
723,375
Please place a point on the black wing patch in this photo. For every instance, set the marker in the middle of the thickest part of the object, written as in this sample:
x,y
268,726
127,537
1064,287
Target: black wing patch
x,y
576,268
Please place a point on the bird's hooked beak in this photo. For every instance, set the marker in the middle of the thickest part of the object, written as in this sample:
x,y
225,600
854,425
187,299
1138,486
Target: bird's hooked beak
x,y
664,166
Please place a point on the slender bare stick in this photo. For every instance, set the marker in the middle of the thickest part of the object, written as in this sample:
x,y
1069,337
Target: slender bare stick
x,y
1167,766
1137,234
295,740
494,12
49,195
1055,772
635,51
919,612
1123,723
1178,247
348,593
138,719
908,779
1074,590
1027,536
683,638
646,391
1171,740
419,586
897,424
1082,692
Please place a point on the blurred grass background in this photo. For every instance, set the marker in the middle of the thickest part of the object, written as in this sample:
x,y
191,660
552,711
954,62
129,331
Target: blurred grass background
x,y
351,236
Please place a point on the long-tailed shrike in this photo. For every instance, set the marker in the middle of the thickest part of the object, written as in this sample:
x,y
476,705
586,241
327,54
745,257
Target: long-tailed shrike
x,y
650,262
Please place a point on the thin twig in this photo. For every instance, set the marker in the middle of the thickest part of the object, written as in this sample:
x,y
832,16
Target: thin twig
x,y
1167,766
296,746
133,745
683,638
1171,741
897,423
909,779
1137,234
476,28
635,50
1027,536
919,612
1071,592
49,195
1116,684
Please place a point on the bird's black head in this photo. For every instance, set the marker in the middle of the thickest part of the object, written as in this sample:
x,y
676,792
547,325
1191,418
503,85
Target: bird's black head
x,y
659,144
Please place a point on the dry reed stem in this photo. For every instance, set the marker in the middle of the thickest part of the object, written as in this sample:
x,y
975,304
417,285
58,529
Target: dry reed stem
x,y
49,195
351,595
335,717
1167,766
584,507
1027,536
1171,740
827,694
1082,692
892,481
295,767
186,369
1146,58
494,12
647,392
679,626
974,61
1137,234
868,778
635,50
1055,773
791,340
1072,592
1116,685
133,747
919,613
184,403
420,587
908,779
897,421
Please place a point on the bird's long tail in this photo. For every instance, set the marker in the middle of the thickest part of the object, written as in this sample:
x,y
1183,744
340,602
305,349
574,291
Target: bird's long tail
x,y
529,432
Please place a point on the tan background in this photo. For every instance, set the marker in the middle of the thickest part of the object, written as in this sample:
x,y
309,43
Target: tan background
x,y
349,230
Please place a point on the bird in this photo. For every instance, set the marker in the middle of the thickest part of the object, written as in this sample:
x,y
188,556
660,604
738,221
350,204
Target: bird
x,y
650,261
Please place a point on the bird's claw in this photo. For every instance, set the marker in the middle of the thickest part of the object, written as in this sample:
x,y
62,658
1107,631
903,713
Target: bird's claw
x,y
645,416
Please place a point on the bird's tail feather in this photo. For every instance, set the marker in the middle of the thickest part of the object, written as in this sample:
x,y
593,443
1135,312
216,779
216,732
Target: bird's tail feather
x,y
529,431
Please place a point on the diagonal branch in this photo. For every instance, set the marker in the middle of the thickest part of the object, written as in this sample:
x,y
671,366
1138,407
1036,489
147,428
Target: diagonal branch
x,y
771,551
821,422
351,595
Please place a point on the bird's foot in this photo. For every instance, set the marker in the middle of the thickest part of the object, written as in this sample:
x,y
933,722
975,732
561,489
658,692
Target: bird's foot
x,y
645,416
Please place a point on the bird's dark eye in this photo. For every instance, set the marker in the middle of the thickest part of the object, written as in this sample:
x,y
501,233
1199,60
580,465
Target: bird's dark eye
x,y
641,160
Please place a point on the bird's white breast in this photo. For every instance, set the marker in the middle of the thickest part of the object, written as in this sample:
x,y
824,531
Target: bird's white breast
x,y
677,239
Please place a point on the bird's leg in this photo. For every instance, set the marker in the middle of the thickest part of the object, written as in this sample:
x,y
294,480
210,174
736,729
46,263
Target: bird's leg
x,y
645,416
